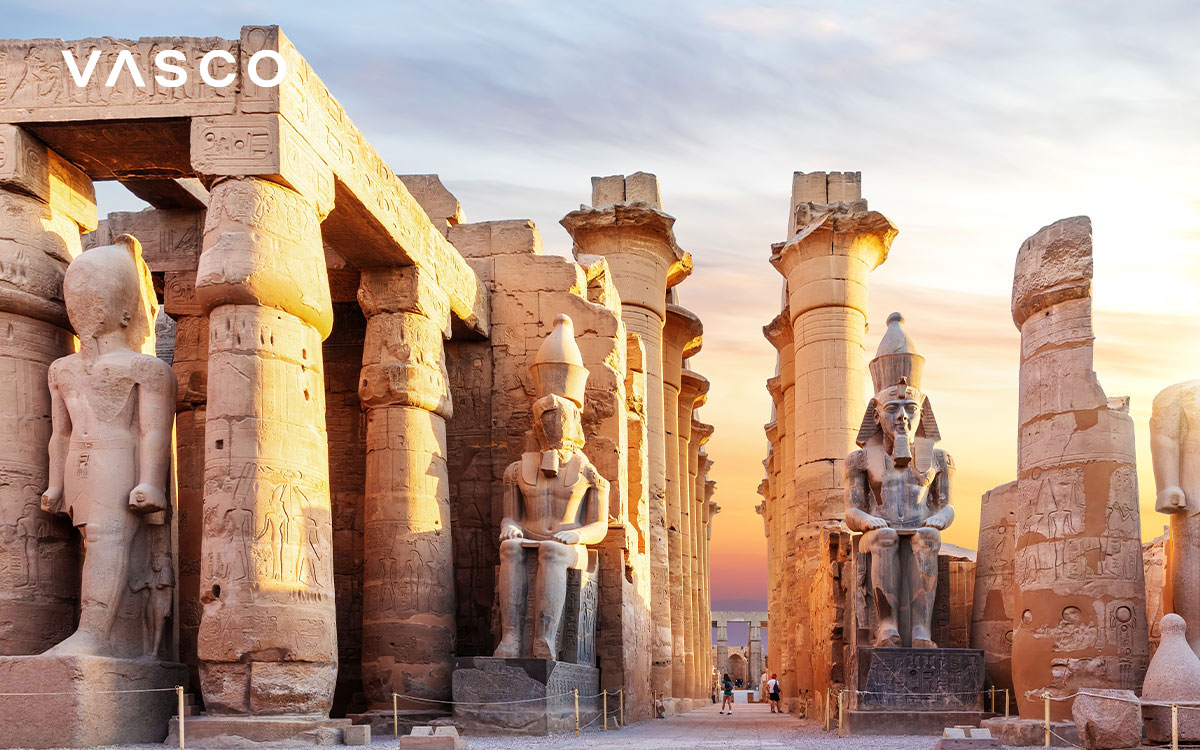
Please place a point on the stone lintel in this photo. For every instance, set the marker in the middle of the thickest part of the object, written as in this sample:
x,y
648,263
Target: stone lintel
x,y
171,238
181,192
28,166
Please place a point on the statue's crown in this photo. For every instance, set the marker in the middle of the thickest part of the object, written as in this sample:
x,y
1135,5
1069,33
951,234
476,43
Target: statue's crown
x,y
558,368
896,360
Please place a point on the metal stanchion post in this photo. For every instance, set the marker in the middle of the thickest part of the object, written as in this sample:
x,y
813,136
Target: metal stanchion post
x,y
576,691
1174,727
621,707
179,694
1006,703
826,709
1046,698
605,710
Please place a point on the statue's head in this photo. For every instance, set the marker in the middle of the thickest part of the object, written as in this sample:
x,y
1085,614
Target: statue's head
x,y
557,424
899,409
108,290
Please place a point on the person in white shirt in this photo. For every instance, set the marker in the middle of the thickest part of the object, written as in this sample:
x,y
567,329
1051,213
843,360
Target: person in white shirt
x,y
773,693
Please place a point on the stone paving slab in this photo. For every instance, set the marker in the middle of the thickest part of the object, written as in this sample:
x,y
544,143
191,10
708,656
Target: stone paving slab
x,y
750,726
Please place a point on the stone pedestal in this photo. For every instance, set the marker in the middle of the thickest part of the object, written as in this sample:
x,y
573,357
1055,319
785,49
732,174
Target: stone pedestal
x,y
577,633
1013,731
915,690
86,716
486,687
1157,715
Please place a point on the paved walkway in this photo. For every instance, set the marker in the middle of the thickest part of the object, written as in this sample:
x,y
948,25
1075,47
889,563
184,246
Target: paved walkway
x,y
750,726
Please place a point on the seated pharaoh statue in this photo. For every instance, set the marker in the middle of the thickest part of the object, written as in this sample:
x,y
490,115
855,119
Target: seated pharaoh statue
x,y
898,494
112,409
555,504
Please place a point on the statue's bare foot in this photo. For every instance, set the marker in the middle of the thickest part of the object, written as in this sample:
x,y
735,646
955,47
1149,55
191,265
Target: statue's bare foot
x,y
542,649
509,648
79,644
923,643
889,638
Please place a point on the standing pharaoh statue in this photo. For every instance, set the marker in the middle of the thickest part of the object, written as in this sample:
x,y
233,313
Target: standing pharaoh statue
x,y
898,493
1175,446
112,407
555,502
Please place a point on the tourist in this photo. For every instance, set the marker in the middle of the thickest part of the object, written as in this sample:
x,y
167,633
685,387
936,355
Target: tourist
x,y
773,693
727,691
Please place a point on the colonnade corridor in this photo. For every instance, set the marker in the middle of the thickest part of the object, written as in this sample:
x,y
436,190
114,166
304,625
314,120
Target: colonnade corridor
x,y
751,726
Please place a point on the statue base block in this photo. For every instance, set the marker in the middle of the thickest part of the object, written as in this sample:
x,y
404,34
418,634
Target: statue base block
x,y
531,697
221,732
919,679
86,713
383,722
1013,731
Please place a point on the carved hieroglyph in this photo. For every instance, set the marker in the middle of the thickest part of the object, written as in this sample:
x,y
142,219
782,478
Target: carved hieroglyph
x,y
555,503
1080,608
113,404
267,633
1175,445
627,226
898,494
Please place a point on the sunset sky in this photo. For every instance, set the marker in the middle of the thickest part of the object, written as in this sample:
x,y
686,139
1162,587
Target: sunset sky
x,y
974,124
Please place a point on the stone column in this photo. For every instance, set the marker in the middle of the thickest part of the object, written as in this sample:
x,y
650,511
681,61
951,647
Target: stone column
x,y
692,392
834,244
783,395
626,225
681,340
190,363
700,434
754,656
408,588
1078,553
44,205
267,639
722,664
992,613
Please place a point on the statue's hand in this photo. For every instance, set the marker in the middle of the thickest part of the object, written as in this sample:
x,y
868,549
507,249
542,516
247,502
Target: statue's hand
x,y
509,531
567,536
1170,500
936,522
146,498
52,500
873,522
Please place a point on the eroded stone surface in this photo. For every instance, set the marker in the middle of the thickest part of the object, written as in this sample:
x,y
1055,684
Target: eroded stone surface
x,y
992,613
1079,610
1108,719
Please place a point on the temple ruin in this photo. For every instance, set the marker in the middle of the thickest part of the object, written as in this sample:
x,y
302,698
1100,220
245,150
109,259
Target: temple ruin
x,y
351,369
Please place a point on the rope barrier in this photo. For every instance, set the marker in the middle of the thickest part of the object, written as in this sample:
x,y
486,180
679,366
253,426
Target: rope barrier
x,y
93,692
489,703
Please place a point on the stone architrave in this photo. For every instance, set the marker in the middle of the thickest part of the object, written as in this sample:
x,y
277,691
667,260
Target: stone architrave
x,y
632,232
681,339
408,587
992,613
44,205
1080,607
1175,446
267,642
555,505
898,494
692,393
834,242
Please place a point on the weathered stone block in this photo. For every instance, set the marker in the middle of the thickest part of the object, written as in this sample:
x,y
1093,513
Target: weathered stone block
x,y
523,696
1108,719
920,679
86,716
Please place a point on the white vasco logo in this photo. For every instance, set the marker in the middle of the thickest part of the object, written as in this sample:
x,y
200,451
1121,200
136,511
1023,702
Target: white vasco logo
x,y
165,61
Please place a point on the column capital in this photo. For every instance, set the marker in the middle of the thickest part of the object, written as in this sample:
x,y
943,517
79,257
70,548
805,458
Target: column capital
x,y
693,390
1054,265
404,289
702,432
835,229
640,246
779,331
682,338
